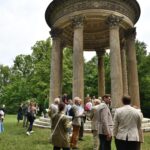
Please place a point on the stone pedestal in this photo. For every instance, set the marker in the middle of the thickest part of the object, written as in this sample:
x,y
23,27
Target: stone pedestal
x,y
115,62
132,67
78,61
101,73
56,65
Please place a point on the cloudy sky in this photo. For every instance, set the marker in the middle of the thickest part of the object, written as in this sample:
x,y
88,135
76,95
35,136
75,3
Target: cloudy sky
x,y
22,23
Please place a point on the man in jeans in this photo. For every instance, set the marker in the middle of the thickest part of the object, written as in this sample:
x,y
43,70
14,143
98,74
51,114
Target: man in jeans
x,y
105,124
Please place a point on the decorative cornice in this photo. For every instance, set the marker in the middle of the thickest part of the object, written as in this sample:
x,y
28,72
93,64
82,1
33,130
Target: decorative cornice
x,y
55,32
60,8
113,20
78,21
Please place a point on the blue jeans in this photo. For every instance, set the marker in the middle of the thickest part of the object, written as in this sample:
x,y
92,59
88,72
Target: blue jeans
x,y
31,124
58,148
104,143
1,126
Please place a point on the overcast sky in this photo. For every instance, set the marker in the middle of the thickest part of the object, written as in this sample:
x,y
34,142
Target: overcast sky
x,y
22,23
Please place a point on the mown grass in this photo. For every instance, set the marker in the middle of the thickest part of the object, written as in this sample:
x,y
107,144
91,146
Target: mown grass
x,y
14,138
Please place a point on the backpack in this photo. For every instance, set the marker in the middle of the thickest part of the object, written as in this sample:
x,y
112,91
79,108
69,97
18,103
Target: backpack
x,y
71,112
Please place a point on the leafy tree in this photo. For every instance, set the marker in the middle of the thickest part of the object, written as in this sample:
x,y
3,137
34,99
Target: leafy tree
x,y
4,75
67,71
91,77
143,61
41,77
107,73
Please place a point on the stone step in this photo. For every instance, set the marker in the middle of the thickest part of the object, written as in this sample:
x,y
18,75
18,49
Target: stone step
x,y
45,123
44,119
147,129
146,120
37,121
48,119
41,126
146,125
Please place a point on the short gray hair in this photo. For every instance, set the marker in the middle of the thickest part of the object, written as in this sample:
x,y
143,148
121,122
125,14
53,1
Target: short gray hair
x,y
57,100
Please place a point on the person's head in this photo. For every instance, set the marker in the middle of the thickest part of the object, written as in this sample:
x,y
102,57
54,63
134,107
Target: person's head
x,y
126,100
61,106
106,99
80,101
76,100
56,101
32,104
70,101
96,101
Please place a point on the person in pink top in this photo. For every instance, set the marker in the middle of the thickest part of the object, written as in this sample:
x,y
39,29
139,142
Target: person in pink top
x,y
31,117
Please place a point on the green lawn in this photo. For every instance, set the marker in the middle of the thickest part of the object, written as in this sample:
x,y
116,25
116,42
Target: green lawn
x,y
14,138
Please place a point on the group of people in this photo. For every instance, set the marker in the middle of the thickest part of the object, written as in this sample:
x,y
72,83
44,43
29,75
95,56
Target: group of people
x,y
27,112
124,126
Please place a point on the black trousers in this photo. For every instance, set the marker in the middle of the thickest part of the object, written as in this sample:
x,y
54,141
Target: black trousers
x,y
104,143
126,145
81,131
58,148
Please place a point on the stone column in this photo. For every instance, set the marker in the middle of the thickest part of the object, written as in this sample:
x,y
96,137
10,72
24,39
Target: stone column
x,y
56,65
101,73
62,46
132,67
78,61
124,69
115,61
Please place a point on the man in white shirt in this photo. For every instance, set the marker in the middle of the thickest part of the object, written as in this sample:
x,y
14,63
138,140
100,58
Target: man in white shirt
x,y
127,124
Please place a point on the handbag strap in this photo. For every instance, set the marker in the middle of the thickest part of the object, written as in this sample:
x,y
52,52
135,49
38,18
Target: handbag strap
x,y
57,124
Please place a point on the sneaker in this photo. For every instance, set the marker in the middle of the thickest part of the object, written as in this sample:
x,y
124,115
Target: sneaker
x,y
31,131
28,133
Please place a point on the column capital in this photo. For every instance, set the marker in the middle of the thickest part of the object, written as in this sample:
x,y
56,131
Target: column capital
x,y
114,20
78,21
131,33
56,32
100,53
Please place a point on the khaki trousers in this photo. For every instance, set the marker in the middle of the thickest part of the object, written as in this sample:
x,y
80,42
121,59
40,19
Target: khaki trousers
x,y
95,140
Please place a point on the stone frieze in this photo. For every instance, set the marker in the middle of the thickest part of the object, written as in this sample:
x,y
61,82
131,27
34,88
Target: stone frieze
x,y
60,8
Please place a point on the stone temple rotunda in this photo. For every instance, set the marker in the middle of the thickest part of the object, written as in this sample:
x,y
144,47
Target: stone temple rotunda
x,y
95,25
